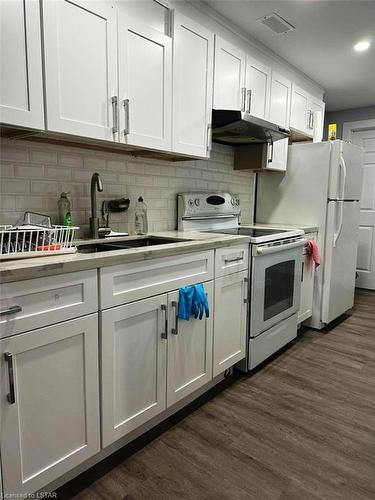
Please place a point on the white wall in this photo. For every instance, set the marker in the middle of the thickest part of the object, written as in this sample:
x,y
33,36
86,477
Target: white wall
x,y
347,115
32,176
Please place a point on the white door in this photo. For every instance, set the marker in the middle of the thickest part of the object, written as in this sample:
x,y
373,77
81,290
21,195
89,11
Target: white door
x,y
193,50
280,114
366,244
340,257
21,85
299,110
80,67
258,88
145,85
229,77
189,350
133,360
50,421
231,303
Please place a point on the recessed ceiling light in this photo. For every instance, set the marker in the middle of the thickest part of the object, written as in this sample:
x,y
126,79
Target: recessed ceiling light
x,y
362,46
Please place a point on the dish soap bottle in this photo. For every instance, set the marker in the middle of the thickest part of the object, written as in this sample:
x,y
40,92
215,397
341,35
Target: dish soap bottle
x,y
140,217
64,208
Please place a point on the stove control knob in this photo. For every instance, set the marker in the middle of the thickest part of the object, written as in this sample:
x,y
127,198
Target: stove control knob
x,y
190,202
259,251
197,202
232,201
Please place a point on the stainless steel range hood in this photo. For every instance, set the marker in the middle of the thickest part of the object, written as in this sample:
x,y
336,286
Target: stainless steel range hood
x,y
236,128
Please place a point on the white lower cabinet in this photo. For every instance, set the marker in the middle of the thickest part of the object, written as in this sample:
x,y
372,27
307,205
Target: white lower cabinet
x,y
150,360
133,362
231,297
307,283
49,403
189,350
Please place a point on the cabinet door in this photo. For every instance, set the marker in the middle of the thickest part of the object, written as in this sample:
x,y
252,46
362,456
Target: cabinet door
x,y
145,80
229,78
133,360
258,86
189,350
316,108
193,48
307,283
80,67
21,85
230,320
280,114
299,110
53,423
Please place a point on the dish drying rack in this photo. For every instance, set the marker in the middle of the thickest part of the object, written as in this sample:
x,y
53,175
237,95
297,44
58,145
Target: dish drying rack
x,y
28,239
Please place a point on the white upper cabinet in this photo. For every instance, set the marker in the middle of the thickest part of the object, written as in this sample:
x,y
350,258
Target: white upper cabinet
x,y
280,114
258,86
50,413
145,84
80,67
229,79
189,349
299,109
21,84
307,113
317,108
193,50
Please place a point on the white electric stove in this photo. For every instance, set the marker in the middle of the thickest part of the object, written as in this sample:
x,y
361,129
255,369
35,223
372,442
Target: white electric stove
x,y
275,269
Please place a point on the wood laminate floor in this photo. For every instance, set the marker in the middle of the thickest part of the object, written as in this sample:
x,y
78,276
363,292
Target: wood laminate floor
x,y
301,428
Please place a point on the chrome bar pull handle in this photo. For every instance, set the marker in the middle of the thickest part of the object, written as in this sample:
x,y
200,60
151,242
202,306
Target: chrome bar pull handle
x,y
235,259
270,160
127,117
174,330
11,310
243,99
11,396
209,137
164,333
248,101
114,101
246,298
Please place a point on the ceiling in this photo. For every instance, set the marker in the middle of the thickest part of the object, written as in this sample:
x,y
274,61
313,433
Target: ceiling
x,y
321,45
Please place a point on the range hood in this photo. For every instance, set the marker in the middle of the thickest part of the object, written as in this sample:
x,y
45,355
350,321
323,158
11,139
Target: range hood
x,y
237,127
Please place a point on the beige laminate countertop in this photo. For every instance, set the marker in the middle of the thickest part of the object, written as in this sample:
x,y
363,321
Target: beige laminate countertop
x,y
19,269
308,228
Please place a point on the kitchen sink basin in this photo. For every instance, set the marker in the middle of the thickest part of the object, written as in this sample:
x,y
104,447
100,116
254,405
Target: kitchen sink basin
x,y
107,246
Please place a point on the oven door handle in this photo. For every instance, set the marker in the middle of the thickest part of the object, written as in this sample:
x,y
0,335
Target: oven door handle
x,y
258,250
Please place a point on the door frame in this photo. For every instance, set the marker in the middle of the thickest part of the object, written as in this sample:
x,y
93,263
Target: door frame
x,y
349,128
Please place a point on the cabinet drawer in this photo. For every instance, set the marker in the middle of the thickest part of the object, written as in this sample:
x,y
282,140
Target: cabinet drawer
x,y
231,260
29,304
137,280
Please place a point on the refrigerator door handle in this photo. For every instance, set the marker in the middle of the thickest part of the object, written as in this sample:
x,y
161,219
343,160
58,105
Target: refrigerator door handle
x,y
342,166
336,235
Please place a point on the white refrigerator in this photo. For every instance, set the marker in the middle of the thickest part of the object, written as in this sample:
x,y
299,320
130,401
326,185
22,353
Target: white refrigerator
x,y
321,187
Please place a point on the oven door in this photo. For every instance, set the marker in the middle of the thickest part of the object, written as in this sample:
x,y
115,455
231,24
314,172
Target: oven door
x,y
275,285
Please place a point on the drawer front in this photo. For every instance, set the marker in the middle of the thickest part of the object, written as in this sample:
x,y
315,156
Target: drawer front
x,y
137,280
231,260
29,304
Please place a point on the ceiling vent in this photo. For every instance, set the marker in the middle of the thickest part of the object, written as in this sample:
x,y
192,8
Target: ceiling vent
x,y
276,23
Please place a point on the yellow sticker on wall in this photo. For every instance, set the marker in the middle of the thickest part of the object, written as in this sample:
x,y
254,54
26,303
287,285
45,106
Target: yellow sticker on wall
x,y
332,131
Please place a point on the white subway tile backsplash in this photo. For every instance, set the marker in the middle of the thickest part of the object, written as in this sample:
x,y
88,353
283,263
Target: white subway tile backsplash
x,y
33,175
15,186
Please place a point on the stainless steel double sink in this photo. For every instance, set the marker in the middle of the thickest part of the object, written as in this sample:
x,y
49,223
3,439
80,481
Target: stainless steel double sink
x,y
146,241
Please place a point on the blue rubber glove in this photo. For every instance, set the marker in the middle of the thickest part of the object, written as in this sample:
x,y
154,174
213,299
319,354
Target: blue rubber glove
x,y
185,302
200,302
